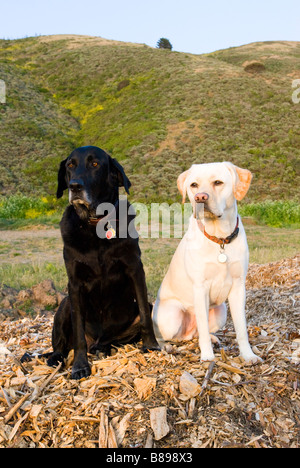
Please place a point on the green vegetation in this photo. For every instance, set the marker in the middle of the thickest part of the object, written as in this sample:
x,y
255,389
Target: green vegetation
x,y
24,207
157,112
22,276
20,210
164,43
274,213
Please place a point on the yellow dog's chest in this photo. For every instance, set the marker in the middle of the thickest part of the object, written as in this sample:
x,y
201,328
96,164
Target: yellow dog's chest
x,y
219,279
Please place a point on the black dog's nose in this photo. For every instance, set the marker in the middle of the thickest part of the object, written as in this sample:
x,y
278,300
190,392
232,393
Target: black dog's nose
x,y
76,185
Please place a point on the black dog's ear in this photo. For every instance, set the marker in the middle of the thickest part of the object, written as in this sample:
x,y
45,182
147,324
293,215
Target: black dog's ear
x,y
122,178
61,178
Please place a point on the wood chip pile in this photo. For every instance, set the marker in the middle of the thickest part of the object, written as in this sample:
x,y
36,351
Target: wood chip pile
x,y
162,399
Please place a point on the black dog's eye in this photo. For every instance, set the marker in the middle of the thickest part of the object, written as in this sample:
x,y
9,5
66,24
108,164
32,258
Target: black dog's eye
x,y
194,184
70,165
95,164
218,182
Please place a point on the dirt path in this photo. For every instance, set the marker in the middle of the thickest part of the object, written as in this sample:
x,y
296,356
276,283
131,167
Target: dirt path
x,y
30,246
29,234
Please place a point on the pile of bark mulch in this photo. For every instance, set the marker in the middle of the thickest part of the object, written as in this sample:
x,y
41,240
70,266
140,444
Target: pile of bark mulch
x,y
161,399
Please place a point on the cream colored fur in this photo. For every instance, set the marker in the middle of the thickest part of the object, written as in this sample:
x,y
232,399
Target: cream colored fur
x,y
191,299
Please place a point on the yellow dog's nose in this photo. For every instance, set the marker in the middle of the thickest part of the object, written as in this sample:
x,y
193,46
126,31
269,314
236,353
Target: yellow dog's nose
x,y
201,197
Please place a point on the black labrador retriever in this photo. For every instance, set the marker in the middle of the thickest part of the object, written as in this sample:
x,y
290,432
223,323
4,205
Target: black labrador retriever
x,y
107,302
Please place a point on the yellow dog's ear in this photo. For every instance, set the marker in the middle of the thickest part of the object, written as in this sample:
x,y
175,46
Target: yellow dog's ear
x,y
181,184
241,180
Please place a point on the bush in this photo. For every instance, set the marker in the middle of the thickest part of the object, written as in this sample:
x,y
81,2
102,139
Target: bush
x,y
273,213
254,67
22,207
123,84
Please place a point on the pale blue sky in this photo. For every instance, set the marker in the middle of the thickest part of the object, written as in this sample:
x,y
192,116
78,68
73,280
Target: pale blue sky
x,y
194,26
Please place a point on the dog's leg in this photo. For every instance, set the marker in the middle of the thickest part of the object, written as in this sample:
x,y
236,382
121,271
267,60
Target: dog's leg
x,y
201,307
237,300
62,337
167,320
216,320
138,277
81,367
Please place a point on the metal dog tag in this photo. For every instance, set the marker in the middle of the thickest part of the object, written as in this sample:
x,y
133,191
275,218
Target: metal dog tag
x,y
222,258
110,233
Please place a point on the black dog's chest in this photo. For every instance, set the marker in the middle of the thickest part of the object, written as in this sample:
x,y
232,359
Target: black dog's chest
x,y
97,268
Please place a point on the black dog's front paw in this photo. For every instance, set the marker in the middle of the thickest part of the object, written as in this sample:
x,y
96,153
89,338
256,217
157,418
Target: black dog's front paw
x,y
26,358
152,346
55,359
80,371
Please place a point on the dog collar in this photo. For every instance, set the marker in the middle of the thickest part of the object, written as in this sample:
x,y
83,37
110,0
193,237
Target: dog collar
x,y
219,240
110,231
94,221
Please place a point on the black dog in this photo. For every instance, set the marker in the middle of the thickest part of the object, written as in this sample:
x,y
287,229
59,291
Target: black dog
x,y
107,302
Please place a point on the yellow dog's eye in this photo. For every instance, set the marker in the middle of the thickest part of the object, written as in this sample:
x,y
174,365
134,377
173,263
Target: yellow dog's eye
x,y
194,184
218,182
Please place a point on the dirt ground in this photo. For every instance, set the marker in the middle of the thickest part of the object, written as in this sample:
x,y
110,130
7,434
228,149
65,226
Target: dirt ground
x,y
160,399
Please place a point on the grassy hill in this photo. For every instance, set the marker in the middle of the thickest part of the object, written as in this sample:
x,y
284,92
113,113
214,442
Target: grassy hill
x,y
156,111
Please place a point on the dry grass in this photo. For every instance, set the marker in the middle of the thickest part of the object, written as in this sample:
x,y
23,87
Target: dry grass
x,y
179,132
75,41
232,405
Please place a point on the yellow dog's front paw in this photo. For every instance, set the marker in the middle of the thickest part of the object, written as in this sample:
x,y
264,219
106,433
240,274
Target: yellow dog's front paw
x,y
207,357
251,359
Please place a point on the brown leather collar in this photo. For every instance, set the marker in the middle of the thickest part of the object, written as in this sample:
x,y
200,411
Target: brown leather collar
x,y
93,221
219,240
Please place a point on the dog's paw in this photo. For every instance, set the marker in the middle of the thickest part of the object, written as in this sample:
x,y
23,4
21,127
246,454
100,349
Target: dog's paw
x,y
207,357
26,358
168,348
80,372
150,343
55,359
215,340
151,347
251,359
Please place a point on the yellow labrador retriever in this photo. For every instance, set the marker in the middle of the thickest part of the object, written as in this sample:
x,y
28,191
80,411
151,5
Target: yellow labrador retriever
x,y
210,263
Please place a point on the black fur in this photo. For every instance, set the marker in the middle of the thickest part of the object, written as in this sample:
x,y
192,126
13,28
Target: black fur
x,y
107,302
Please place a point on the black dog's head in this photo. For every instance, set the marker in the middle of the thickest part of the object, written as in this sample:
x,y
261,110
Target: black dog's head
x,y
92,177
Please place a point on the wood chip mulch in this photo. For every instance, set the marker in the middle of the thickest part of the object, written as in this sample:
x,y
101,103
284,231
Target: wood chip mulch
x,y
163,399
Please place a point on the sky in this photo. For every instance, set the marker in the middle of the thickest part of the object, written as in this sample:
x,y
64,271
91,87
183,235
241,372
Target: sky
x,y
194,26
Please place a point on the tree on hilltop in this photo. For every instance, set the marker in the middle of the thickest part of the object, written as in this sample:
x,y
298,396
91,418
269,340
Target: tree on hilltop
x,y
164,43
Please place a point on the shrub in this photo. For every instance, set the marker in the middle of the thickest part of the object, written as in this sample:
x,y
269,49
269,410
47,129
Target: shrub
x,y
273,213
123,84
254,67
22,207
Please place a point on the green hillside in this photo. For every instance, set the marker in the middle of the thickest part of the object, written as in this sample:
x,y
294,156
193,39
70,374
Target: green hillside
x,y
156,111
